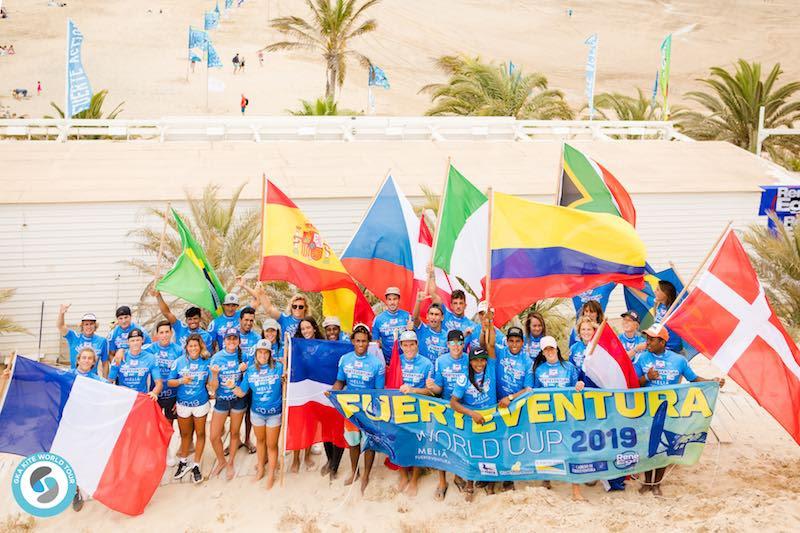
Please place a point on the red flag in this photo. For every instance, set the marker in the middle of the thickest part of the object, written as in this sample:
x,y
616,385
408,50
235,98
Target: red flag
x,y
394,378
609,366
728,318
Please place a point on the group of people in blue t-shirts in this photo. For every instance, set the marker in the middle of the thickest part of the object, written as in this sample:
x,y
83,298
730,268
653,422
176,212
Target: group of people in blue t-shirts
x,y
472,364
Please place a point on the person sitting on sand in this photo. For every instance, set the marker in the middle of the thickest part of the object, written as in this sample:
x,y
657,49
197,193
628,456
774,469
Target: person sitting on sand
x,y
308,329
359,370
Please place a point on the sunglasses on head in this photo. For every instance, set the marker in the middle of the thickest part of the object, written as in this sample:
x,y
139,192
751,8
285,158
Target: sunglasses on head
x,y
295,306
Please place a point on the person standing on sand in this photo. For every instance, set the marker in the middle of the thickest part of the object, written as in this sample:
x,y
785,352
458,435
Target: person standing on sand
x,y
261,57
236,63
244,103
241,65
38,88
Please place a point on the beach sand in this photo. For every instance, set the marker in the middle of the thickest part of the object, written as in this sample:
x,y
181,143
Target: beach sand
x,y
751,483
141,57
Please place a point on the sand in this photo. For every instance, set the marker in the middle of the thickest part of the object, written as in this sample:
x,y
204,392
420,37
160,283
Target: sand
x,y
749,483
140,57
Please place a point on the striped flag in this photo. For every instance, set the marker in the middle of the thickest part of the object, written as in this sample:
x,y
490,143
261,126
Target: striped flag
x,y
608,365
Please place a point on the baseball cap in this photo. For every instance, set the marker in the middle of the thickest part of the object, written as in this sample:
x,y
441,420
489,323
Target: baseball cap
x,y
230,299
408,336
90,317
515,332
263,344
455,335
231,332
478,353
482,306
331,321
135,332
123,311
270,323
657,331
392,290
633,315
547,342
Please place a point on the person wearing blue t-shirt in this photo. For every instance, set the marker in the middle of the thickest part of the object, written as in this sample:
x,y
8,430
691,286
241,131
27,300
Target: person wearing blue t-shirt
x,y
535,329
227,320
189,375
659,366
165,352
271,330
264,378
474,340
227,367
392,320
475,391
86,338
118,336
631,339
86,364
432,336
358,371
248,338
586,329
182,330
551,371
665,295
332,329
296,309
454,317
134,369
591,309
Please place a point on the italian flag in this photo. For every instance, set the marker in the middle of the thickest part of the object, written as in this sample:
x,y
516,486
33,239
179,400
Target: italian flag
x,y
460,247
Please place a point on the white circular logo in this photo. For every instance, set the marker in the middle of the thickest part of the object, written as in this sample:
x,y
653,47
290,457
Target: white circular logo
x,y
43,484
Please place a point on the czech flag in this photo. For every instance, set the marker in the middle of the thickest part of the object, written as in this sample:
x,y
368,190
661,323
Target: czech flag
x,y
311,416
114,438
293,250
544,251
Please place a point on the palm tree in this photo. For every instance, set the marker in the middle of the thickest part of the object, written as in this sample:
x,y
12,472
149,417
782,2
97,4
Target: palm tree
x,y
321,107
776,259
95,110
7,325
333,25
626,107
485,89
732,108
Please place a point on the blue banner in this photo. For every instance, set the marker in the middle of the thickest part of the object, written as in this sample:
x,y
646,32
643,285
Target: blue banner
x,y
599,294
591,71
555,434
197,38
211,20
783,200
377,77
228,4
79,91
213,58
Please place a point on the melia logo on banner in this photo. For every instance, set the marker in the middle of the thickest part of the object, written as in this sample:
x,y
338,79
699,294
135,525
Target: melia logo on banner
x,y
43,484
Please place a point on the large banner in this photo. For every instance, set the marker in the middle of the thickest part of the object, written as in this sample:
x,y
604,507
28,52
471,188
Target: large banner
x,y
79,91
555,434
783,200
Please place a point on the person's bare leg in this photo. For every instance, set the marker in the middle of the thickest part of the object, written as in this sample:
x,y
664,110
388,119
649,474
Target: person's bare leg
x,y
369,458
576,493
200,438
236,427
185,426
261,449
412,485
441,488
247,427
355,452
402,480
217,427
295,462
272,453
308,459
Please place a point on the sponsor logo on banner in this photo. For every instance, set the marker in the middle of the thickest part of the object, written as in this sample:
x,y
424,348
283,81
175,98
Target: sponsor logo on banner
x,y
488,469
43,484
551,466
588,468
626,460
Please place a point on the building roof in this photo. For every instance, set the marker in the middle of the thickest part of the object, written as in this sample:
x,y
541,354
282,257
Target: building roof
x,y
109,171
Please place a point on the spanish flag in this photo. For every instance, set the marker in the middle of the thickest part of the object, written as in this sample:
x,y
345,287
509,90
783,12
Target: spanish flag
x,y
546,251
294,251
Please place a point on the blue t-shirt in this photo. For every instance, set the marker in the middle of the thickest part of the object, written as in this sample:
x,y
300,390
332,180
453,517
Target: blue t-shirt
x,y
182,333
165,356
471,397
514,372
247,342
416,371
532,346
361,372
118,338
133,372
384,326
577,354
78,341
670,366
218,326
266,386
288,324
446,372
194,393
561,374
450,322
228,364
629,343
90,375
675,343
432,344
475,338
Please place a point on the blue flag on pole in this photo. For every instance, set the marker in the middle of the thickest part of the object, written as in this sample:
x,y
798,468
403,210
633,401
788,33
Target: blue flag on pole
x,y
213,58
377,77
511,68
591,71
216,8
228,4
79,91
197,38
211,20
655,91
599,294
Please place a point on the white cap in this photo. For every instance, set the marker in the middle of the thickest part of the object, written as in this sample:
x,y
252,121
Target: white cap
x,y
230,299
331,321
482,306
264,344
270,323
408,335
392,290
89,317
547,342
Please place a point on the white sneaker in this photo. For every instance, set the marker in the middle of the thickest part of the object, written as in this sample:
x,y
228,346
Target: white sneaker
x,y
317,449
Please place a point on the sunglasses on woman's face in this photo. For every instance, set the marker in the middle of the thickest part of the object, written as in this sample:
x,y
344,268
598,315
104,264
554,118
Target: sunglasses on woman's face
x,y
455,343
298,306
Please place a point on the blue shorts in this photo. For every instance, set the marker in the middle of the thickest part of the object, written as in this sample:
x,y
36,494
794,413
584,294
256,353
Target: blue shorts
x,y
236,405
271,421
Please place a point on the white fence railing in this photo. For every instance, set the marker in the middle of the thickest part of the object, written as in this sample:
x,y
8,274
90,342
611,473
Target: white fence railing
x,y
293,128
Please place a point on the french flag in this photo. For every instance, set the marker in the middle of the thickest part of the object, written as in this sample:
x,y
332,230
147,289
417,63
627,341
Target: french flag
x,y
115,438
609,366
311,418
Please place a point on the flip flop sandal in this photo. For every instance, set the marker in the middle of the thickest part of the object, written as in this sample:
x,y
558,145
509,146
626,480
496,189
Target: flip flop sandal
x,y
440,493
460,484
251,449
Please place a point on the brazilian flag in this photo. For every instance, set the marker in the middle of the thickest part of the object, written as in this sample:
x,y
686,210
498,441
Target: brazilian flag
x,y
192,277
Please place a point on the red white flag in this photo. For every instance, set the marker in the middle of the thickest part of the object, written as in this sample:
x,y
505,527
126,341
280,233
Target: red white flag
x,y
728,318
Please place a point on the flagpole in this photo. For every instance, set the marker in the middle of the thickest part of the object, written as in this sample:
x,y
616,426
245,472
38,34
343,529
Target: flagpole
x,y
439,210
161,245
596,338
189,54
559,175
487,296
263,213
207,69
287,357
66,86
696,273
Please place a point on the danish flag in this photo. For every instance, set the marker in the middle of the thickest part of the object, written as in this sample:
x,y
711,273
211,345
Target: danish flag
x,y
728,318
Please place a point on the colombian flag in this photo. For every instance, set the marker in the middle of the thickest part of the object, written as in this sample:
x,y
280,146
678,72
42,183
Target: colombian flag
x,y
294,251
545,251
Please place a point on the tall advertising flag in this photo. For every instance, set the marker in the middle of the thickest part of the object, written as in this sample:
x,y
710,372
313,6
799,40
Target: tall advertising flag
x,y
666,53
591,71
78,89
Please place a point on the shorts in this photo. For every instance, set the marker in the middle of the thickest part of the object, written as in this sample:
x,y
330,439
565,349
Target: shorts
x,y
199,411
236,405
168,405
271,421
352,435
